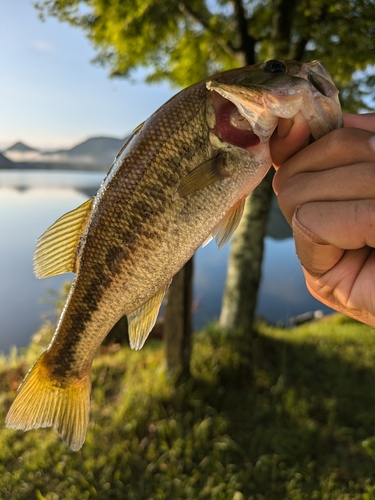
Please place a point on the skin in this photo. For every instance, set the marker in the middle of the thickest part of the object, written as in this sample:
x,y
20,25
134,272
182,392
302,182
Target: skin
x,y
326,191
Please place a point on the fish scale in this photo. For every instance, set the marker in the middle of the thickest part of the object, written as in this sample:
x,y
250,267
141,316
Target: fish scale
x,y
181,179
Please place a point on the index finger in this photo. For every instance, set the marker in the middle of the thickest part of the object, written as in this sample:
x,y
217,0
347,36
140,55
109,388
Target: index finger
x,y
365,121
345,146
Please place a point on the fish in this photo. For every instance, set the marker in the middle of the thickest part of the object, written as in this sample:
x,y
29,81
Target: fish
x,y
181,179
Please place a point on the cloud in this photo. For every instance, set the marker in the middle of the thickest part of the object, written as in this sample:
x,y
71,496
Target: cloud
x,y
42,46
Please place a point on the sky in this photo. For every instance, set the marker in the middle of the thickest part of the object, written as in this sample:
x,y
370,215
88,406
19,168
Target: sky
x,y
51,95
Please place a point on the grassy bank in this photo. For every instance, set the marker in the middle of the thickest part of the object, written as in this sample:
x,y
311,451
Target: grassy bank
x,y
293,420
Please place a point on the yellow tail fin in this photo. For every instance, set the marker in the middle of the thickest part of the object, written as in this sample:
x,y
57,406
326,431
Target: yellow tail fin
x,y
46,401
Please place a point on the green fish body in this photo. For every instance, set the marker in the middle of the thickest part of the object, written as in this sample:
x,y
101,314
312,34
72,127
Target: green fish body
x,y
181,179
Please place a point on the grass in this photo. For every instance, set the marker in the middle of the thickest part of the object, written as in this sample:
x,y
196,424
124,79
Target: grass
x,y
292,419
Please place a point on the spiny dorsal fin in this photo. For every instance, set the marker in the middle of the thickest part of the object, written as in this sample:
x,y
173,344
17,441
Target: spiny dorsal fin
x,y
138,128
56,248
135,132
223,231
142,320
204,175
46,401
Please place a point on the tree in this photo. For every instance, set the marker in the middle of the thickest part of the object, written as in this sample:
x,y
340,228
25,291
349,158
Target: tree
x,y
297,29
178,323
185,40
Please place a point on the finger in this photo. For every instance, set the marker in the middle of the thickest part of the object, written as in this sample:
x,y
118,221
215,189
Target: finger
x,y
290,137
365,121
348,286
316,255
352,182
341,147
344,224
323,230
293,135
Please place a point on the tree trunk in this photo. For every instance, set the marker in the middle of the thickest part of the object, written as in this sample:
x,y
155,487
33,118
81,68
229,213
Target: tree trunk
x,y
178,322
245,261
246,255
282,22
244,268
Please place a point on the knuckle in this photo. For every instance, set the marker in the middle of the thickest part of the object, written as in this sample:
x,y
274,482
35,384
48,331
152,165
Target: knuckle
x,y
291,194
368,212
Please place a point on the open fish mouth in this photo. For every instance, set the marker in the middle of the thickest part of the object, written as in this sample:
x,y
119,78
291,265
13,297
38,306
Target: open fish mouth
x,y
247,114
232,127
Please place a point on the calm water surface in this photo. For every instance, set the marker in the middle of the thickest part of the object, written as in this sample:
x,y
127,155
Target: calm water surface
x,y
30,201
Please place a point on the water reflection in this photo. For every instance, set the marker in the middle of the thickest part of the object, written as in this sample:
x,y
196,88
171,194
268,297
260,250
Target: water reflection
x,y
30,201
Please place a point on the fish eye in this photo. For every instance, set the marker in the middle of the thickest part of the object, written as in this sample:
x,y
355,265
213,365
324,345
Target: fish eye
x,y
274,67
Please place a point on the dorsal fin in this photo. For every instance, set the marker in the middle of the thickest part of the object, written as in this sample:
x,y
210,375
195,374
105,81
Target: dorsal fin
x,y
223,231
138,128
207,241
56,248
142,320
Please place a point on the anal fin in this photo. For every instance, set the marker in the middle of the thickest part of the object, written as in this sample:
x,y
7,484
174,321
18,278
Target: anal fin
x,y
203,175
224,230
142,320
56,248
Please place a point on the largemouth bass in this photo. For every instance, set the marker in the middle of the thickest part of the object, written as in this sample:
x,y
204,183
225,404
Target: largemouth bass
x,y
182,178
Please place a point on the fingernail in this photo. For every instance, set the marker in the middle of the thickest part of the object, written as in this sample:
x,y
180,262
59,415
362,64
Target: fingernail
x,y
372,142
283,129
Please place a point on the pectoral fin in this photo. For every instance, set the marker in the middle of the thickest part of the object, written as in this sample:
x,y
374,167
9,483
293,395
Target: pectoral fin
x,y
224,230
56,248
142,320
204,175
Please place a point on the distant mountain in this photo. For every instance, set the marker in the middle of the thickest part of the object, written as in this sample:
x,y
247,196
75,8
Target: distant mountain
x,y
4,162
95,153
21,147
96,146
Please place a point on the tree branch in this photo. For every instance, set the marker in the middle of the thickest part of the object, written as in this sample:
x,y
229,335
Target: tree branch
x,y
282,22
298,50
227,47
247,44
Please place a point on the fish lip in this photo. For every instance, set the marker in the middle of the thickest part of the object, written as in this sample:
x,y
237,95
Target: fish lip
x,y
320,79
326,97
325,87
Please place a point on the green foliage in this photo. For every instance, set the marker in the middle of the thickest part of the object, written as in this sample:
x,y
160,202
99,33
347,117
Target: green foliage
x,y
296,421
184,41
164,36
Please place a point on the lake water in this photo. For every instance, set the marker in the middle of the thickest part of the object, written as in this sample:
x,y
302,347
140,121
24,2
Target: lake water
x,y
30,201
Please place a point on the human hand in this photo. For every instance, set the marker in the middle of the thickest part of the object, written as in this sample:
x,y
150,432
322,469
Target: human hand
x,y
327,193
